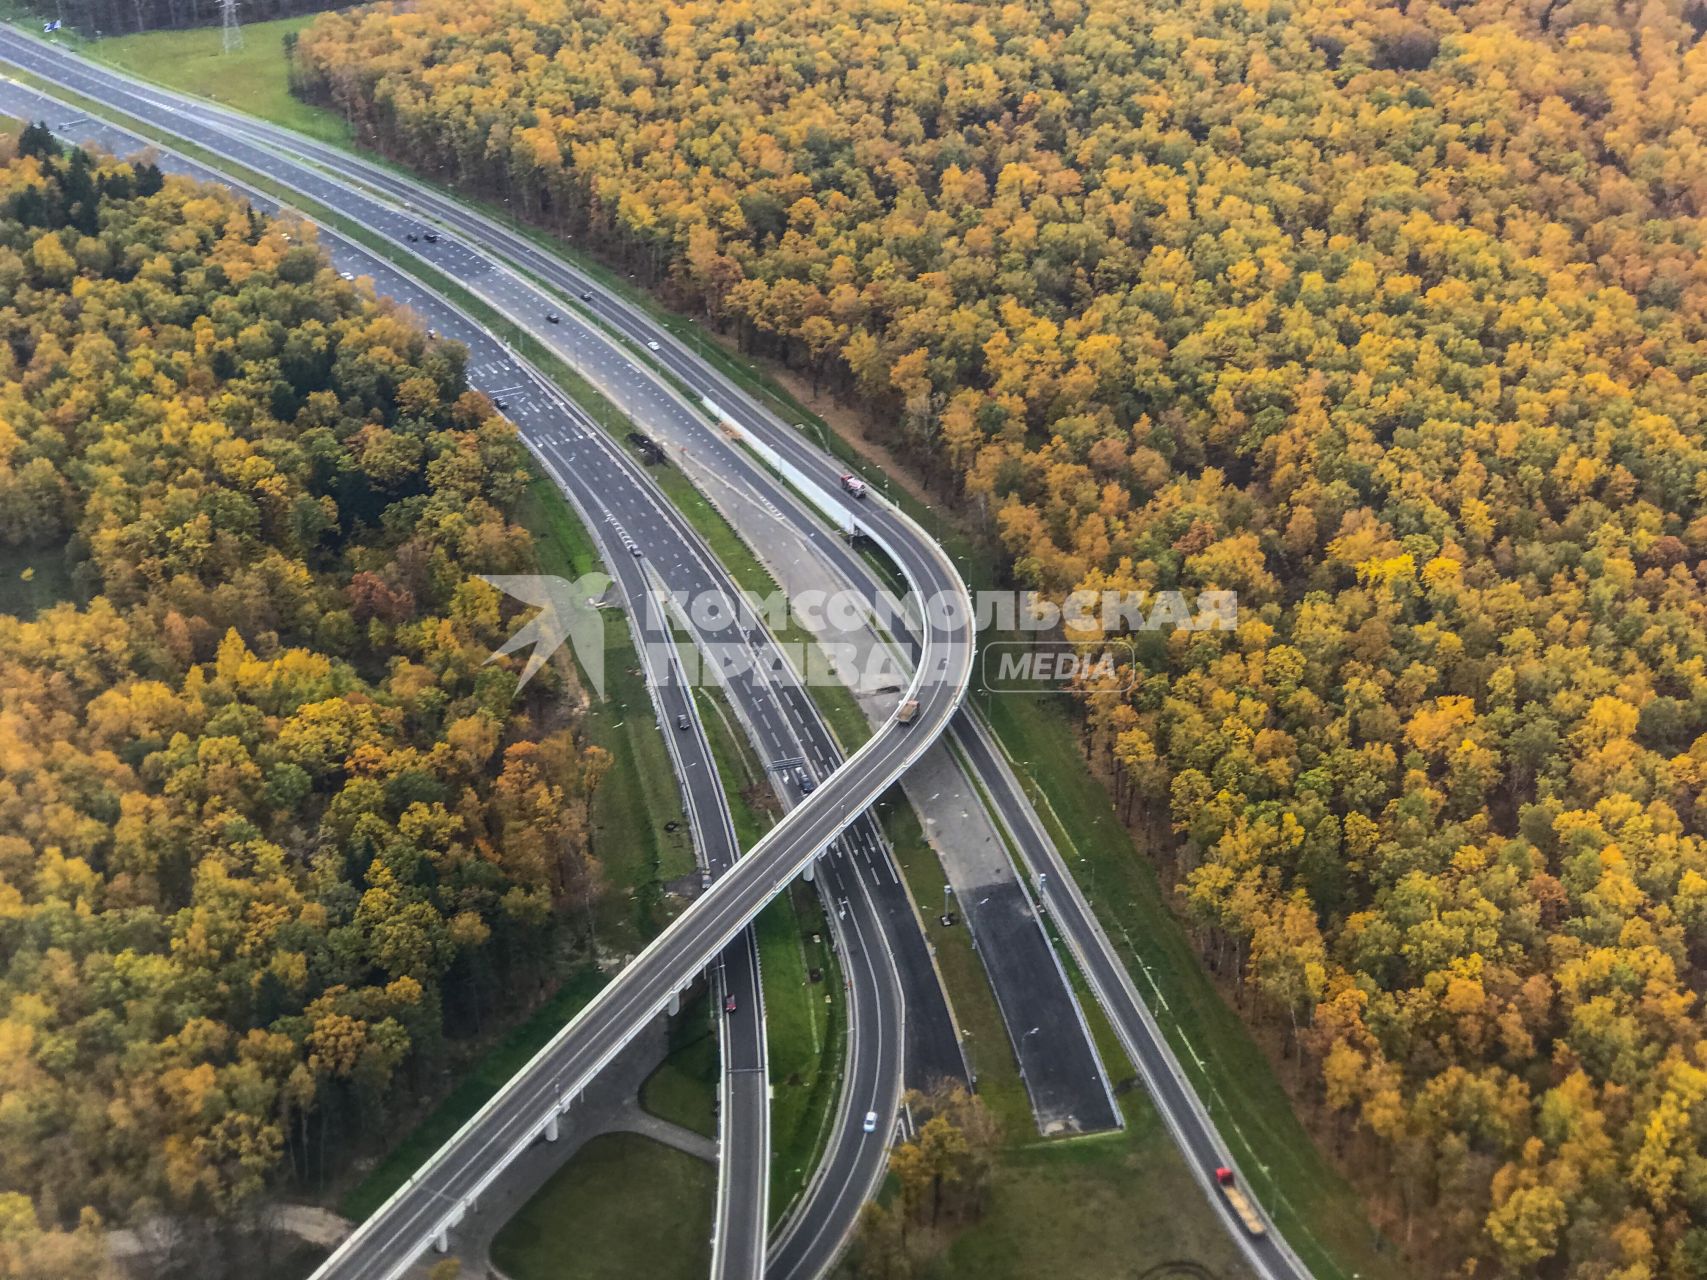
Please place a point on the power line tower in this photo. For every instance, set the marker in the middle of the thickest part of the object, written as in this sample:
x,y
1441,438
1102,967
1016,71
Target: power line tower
x,y
232,37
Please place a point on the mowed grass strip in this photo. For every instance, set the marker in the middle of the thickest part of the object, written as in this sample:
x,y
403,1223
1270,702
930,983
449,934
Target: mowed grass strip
x,y
253,79
683,1090
623,1207
632,815
1092,1208
804,1037
1318,1211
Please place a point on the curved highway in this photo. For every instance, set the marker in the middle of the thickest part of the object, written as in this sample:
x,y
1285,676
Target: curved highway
x,y
871,911
1184,1112
441,1193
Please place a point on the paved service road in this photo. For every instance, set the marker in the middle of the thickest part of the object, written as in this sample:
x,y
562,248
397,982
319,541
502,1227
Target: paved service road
x,y
1181,1108
441,1193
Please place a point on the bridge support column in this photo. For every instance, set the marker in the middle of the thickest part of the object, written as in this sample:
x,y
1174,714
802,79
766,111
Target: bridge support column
x,y
551,1127
441,1242
675,1003
809,870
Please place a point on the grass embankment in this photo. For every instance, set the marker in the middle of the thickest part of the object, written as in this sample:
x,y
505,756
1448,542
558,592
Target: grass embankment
x,y
805,1032
488,1075
634,839
1317,1210
1119,1204
251,79
683,1090
630,1206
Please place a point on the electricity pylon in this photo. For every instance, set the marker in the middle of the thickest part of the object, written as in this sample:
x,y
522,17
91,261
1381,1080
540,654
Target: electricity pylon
x,y
233,35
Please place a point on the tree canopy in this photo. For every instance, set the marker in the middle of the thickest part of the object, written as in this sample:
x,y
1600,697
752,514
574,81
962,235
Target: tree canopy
x,y
268,824
1387,317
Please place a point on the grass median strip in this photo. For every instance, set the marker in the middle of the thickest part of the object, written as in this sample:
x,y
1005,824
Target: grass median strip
x,y
1314,1207
624,1206
683,1090
805,1033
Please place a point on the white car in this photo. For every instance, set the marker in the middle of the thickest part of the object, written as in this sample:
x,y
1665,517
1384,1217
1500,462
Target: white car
x,y
346,275
652,346
871,1122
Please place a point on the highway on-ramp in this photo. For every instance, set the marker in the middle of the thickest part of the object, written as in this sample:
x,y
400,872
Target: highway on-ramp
x,y
1180,1106
438,1195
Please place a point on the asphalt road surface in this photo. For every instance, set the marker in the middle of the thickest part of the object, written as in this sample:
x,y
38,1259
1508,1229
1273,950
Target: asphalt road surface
x,y
437,1197
910,1025
1181,1108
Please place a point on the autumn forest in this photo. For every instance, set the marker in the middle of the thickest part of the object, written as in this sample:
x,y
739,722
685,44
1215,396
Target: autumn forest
x,y
1388,317
269,828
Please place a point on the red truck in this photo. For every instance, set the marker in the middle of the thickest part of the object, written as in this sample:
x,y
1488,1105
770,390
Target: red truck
x,y
853,484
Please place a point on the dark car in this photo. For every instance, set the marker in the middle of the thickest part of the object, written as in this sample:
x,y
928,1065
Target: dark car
x,y
682,721
805,781
586,297
431,237
500,404
411,237
551,317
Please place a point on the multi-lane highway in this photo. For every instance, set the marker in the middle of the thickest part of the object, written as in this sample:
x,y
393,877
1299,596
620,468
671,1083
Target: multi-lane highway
x,y
1047,1031
945,657
868,899
592,472
874,918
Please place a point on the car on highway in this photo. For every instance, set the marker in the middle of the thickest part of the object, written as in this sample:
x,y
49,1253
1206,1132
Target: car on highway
x,y
346,275
870,1122
652,346
411,237
551,317
634,548
729,1004
804,781
431,237
500,404
586,297
682,721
